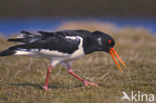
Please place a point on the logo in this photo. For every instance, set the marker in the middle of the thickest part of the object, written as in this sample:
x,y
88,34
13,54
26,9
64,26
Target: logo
x,y
138,97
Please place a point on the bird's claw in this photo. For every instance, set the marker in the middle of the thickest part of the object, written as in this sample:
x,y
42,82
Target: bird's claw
x,y
86,83
45,88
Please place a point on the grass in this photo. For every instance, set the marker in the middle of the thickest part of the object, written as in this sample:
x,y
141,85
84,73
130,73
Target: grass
x,y
21,77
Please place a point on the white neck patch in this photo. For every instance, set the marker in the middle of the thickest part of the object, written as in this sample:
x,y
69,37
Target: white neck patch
x,y
99,41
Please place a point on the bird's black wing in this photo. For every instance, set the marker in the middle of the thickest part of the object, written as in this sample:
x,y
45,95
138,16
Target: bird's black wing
x,y
25,37
82,33
54,41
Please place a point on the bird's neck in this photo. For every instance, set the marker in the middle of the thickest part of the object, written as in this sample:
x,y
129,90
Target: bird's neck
x,y
91,45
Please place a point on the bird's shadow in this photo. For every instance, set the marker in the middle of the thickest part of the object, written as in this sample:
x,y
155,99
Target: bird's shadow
x,y
39,86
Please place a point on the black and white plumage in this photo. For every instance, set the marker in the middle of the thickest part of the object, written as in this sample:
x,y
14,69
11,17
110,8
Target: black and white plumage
x,y
61,47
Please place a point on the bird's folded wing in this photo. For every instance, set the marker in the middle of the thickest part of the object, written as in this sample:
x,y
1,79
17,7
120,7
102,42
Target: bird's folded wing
x,y
60,43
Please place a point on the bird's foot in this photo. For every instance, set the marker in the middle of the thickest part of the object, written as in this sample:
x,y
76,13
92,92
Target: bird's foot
x,y
46,88
86,83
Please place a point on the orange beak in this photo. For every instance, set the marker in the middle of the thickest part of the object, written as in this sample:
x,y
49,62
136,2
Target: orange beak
x,y
112,52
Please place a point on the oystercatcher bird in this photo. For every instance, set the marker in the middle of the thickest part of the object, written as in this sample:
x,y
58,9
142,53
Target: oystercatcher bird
x,y
63,47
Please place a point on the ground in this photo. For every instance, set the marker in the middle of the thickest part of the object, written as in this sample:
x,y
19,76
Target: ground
x,y
21,78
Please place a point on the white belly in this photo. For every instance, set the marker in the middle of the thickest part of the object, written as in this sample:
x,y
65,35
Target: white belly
x,y
51,54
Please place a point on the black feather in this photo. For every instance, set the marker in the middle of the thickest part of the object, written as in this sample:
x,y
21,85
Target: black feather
x,y
7,52
25,38
43,33
25,32
22,40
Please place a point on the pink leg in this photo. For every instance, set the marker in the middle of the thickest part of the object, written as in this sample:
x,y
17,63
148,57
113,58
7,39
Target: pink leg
x,y
85,82
47,77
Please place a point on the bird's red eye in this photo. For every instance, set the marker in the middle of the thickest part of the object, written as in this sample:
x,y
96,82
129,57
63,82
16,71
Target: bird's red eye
x,y
109,41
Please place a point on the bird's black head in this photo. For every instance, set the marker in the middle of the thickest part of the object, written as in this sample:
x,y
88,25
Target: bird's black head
x,y
104,40
106,43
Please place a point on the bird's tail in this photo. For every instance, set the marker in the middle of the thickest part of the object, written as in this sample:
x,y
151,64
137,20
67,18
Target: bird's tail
x,y
7,52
